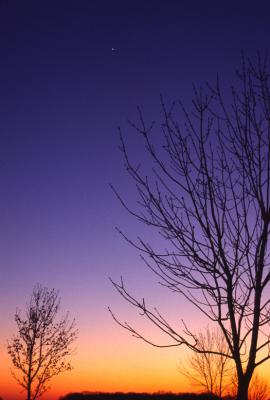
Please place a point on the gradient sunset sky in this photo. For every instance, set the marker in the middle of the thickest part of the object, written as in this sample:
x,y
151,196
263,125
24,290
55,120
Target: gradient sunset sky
x,y
71,72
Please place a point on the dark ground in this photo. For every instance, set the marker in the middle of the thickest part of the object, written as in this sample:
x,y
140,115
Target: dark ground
x,y
139,396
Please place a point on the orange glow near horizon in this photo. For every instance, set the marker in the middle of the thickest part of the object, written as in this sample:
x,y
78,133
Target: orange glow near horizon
x,y
122,365
109,359
152,375
112,361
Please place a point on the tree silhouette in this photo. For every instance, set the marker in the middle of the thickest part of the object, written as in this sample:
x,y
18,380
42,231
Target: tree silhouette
x,y
215,374
139,396
40,349
210,372
259,389
208,197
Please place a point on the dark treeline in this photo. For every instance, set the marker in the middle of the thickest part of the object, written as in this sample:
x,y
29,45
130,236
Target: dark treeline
x,y
140,396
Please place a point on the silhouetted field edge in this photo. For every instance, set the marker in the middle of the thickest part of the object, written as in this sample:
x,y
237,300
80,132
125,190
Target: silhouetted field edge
x,y
141,396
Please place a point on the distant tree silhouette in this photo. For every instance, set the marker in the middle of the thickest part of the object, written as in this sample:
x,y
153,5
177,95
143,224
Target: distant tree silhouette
x,y
215,374
208,371
258,388
40,349
207,194
139,396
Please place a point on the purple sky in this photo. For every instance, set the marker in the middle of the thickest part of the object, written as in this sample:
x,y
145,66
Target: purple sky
x,y
63,94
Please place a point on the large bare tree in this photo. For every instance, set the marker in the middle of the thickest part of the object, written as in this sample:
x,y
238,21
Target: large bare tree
x,y
208,196
43,344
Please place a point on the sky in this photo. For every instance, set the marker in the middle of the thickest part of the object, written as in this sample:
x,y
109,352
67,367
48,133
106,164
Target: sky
x,y
71,72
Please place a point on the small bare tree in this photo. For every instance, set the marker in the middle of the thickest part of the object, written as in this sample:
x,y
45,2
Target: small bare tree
x,y
209,371
259,389
207,194
40,349
216,374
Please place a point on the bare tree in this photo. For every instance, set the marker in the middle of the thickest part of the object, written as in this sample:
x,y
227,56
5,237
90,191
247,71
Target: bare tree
x,y
40,349
208,196
258,388
210,372
215,374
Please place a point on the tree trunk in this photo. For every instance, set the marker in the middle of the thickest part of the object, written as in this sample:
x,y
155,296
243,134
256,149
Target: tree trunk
x,y
242,391
29,381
